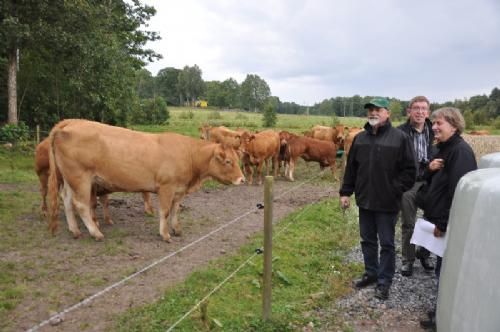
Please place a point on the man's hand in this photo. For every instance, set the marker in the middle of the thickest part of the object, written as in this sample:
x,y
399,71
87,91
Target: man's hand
x,y
345,202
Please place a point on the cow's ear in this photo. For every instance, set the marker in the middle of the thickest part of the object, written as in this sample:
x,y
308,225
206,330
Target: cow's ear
x,y
251,137
220,153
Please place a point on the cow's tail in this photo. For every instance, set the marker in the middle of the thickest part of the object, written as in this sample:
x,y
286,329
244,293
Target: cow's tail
x,y
54,184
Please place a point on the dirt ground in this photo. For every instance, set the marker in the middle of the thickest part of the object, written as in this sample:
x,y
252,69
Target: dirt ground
x,y
67,271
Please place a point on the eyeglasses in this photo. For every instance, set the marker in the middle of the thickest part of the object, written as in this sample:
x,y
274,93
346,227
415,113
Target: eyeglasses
x,y
419,109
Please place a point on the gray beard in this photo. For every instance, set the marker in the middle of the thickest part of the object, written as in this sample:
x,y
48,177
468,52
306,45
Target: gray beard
x,y
373,122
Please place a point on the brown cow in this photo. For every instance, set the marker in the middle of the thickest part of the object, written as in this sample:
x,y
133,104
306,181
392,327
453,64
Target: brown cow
x,y
258,149
310,149
42,170
168,164
351,133
285,136
335,134
221,135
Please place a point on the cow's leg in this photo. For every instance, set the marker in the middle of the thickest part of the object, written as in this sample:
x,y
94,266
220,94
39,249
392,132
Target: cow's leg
x,y
44,180
276,166
104,199
291,168
82,192
260,165
333,168
148,204
173,221
67,197
93,206
165,198
249,173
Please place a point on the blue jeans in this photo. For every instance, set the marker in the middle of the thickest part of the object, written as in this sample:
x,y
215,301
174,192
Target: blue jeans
x,y
375,228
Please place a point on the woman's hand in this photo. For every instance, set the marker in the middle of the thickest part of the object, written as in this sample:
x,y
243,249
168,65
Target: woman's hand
x,y
436,164
437,232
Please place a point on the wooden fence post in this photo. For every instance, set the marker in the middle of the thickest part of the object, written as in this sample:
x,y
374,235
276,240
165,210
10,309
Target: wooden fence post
x,y
268,253
37,134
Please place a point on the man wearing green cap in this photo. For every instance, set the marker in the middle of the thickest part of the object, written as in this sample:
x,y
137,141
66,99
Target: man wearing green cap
x,y
380,168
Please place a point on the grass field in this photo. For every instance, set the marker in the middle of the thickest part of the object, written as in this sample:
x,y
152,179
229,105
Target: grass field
x,y
186,121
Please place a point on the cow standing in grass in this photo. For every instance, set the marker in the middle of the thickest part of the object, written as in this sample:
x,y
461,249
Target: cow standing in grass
x,y
258,149
309,149
118,159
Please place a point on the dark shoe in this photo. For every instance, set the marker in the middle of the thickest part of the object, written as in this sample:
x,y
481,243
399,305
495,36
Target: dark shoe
x,y
426,263
429,323
365,280
423,255
407,269
382,292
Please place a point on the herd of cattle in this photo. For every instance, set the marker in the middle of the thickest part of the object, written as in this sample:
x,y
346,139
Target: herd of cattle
x,y
83,160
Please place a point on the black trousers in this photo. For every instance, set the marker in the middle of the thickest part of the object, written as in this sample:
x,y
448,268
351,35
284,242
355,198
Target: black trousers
x,y
378,228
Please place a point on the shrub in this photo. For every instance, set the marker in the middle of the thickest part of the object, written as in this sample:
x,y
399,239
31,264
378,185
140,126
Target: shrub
x,y
496,123
186,115
214,115
14,133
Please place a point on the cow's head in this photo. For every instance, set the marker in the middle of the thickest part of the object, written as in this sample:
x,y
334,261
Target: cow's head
x,y
246,138
204,131
225,167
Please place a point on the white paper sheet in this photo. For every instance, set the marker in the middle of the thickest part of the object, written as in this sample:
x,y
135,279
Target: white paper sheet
x,y
423,235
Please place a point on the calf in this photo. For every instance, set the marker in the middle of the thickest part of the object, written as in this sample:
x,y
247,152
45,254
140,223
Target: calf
x,y
258,149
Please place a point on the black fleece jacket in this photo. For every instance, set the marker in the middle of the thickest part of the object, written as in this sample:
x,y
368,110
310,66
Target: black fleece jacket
x,y
380,168
458,159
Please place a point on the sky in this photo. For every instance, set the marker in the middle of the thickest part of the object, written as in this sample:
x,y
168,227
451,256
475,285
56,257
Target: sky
x,y
308,51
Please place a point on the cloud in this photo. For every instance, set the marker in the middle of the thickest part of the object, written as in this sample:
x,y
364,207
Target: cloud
x,y
311,50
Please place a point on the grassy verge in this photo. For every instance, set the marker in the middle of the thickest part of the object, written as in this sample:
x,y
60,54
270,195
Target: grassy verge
x,y
308,272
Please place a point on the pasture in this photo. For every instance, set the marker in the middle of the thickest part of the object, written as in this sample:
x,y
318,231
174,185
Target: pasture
x,y
40,274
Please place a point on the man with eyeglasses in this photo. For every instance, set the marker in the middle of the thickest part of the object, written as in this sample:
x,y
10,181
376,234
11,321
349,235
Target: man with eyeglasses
x,y
419,128
380,168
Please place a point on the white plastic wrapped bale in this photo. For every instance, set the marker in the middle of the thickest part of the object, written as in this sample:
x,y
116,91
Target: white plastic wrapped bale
x,y
469,293
490,160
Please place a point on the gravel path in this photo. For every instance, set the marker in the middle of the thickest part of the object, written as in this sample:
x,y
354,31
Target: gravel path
x,y
409,300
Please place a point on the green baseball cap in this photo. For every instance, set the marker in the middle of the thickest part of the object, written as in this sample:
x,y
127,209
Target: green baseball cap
x,y
378,102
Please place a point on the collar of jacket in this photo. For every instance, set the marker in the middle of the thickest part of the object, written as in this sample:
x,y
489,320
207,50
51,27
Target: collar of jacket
x,y
380,129
451,141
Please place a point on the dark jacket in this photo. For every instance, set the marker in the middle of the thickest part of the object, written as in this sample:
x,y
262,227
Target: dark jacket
x,y
380,167
458,160
431,150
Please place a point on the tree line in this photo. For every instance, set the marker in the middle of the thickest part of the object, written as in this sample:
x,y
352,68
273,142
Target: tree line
x,y
86,59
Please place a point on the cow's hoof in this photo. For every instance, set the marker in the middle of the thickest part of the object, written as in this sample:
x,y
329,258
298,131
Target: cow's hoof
x,y
177,232
109,222
77,235
149,212
98,237
166,238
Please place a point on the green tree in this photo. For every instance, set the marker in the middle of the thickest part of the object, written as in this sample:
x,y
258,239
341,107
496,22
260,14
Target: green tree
x,y
396,110
167,80
145,84
254,92
190,84
269,116
152,111
469,119
79,58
